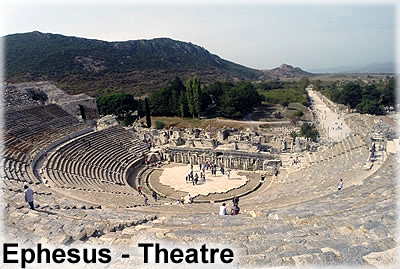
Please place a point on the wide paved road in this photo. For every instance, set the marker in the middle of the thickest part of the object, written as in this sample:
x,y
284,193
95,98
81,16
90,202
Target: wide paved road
x,y
334,126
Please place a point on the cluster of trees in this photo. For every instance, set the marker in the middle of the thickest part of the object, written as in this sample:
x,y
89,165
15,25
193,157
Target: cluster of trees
x,y
372,97
219,98
307,130
121,105
285,92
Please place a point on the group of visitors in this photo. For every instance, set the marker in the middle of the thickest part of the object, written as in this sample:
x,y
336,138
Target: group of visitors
x,y
194,177
188,199
145,199
296,161
212,167
234,210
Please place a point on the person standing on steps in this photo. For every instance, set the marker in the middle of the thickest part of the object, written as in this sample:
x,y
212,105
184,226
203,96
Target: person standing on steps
x,y
28,193
340,185
235,201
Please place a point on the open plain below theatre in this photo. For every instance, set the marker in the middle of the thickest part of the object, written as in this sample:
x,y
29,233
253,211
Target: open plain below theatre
x,y
150,153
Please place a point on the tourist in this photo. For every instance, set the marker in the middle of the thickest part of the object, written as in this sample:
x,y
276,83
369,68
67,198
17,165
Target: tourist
x,y
28,193
235,200
188,199
340,185
145,200
235,210
154,196
222,209
139,189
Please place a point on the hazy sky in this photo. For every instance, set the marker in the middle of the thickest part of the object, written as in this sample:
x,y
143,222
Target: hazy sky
x,y
258,34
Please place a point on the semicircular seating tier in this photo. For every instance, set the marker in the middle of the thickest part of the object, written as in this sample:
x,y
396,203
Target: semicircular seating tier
x,y
98,161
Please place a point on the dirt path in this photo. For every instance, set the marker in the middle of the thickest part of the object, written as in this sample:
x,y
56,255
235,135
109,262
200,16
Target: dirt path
x,y
253,122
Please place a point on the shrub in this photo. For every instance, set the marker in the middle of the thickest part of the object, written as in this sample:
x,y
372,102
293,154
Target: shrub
x,y
298,113
159,124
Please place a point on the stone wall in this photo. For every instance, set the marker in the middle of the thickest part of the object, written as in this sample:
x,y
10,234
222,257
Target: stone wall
x,y
233,159
73,104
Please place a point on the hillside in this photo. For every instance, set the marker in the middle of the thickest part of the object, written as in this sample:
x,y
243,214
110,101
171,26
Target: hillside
x,y
138,66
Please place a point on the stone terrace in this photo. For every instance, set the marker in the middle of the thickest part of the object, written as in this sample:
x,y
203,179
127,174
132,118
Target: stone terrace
x,y
95,166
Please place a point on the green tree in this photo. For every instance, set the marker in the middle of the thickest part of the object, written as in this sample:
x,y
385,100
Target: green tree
x,y
309,131
118,104
303,83
166,101
317,85
370,91
193,95
173,103
148,118
239,100
293,134
351,94
216,89
370,106
182,104
141,108
389,92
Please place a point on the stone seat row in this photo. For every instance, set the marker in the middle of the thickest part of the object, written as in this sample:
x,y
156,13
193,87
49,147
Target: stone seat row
x,y
344,147
73,181
313,181
91,157
15,170
30,130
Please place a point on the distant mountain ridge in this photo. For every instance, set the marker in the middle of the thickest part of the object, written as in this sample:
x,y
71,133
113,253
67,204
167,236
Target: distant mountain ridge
x,y
137,66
